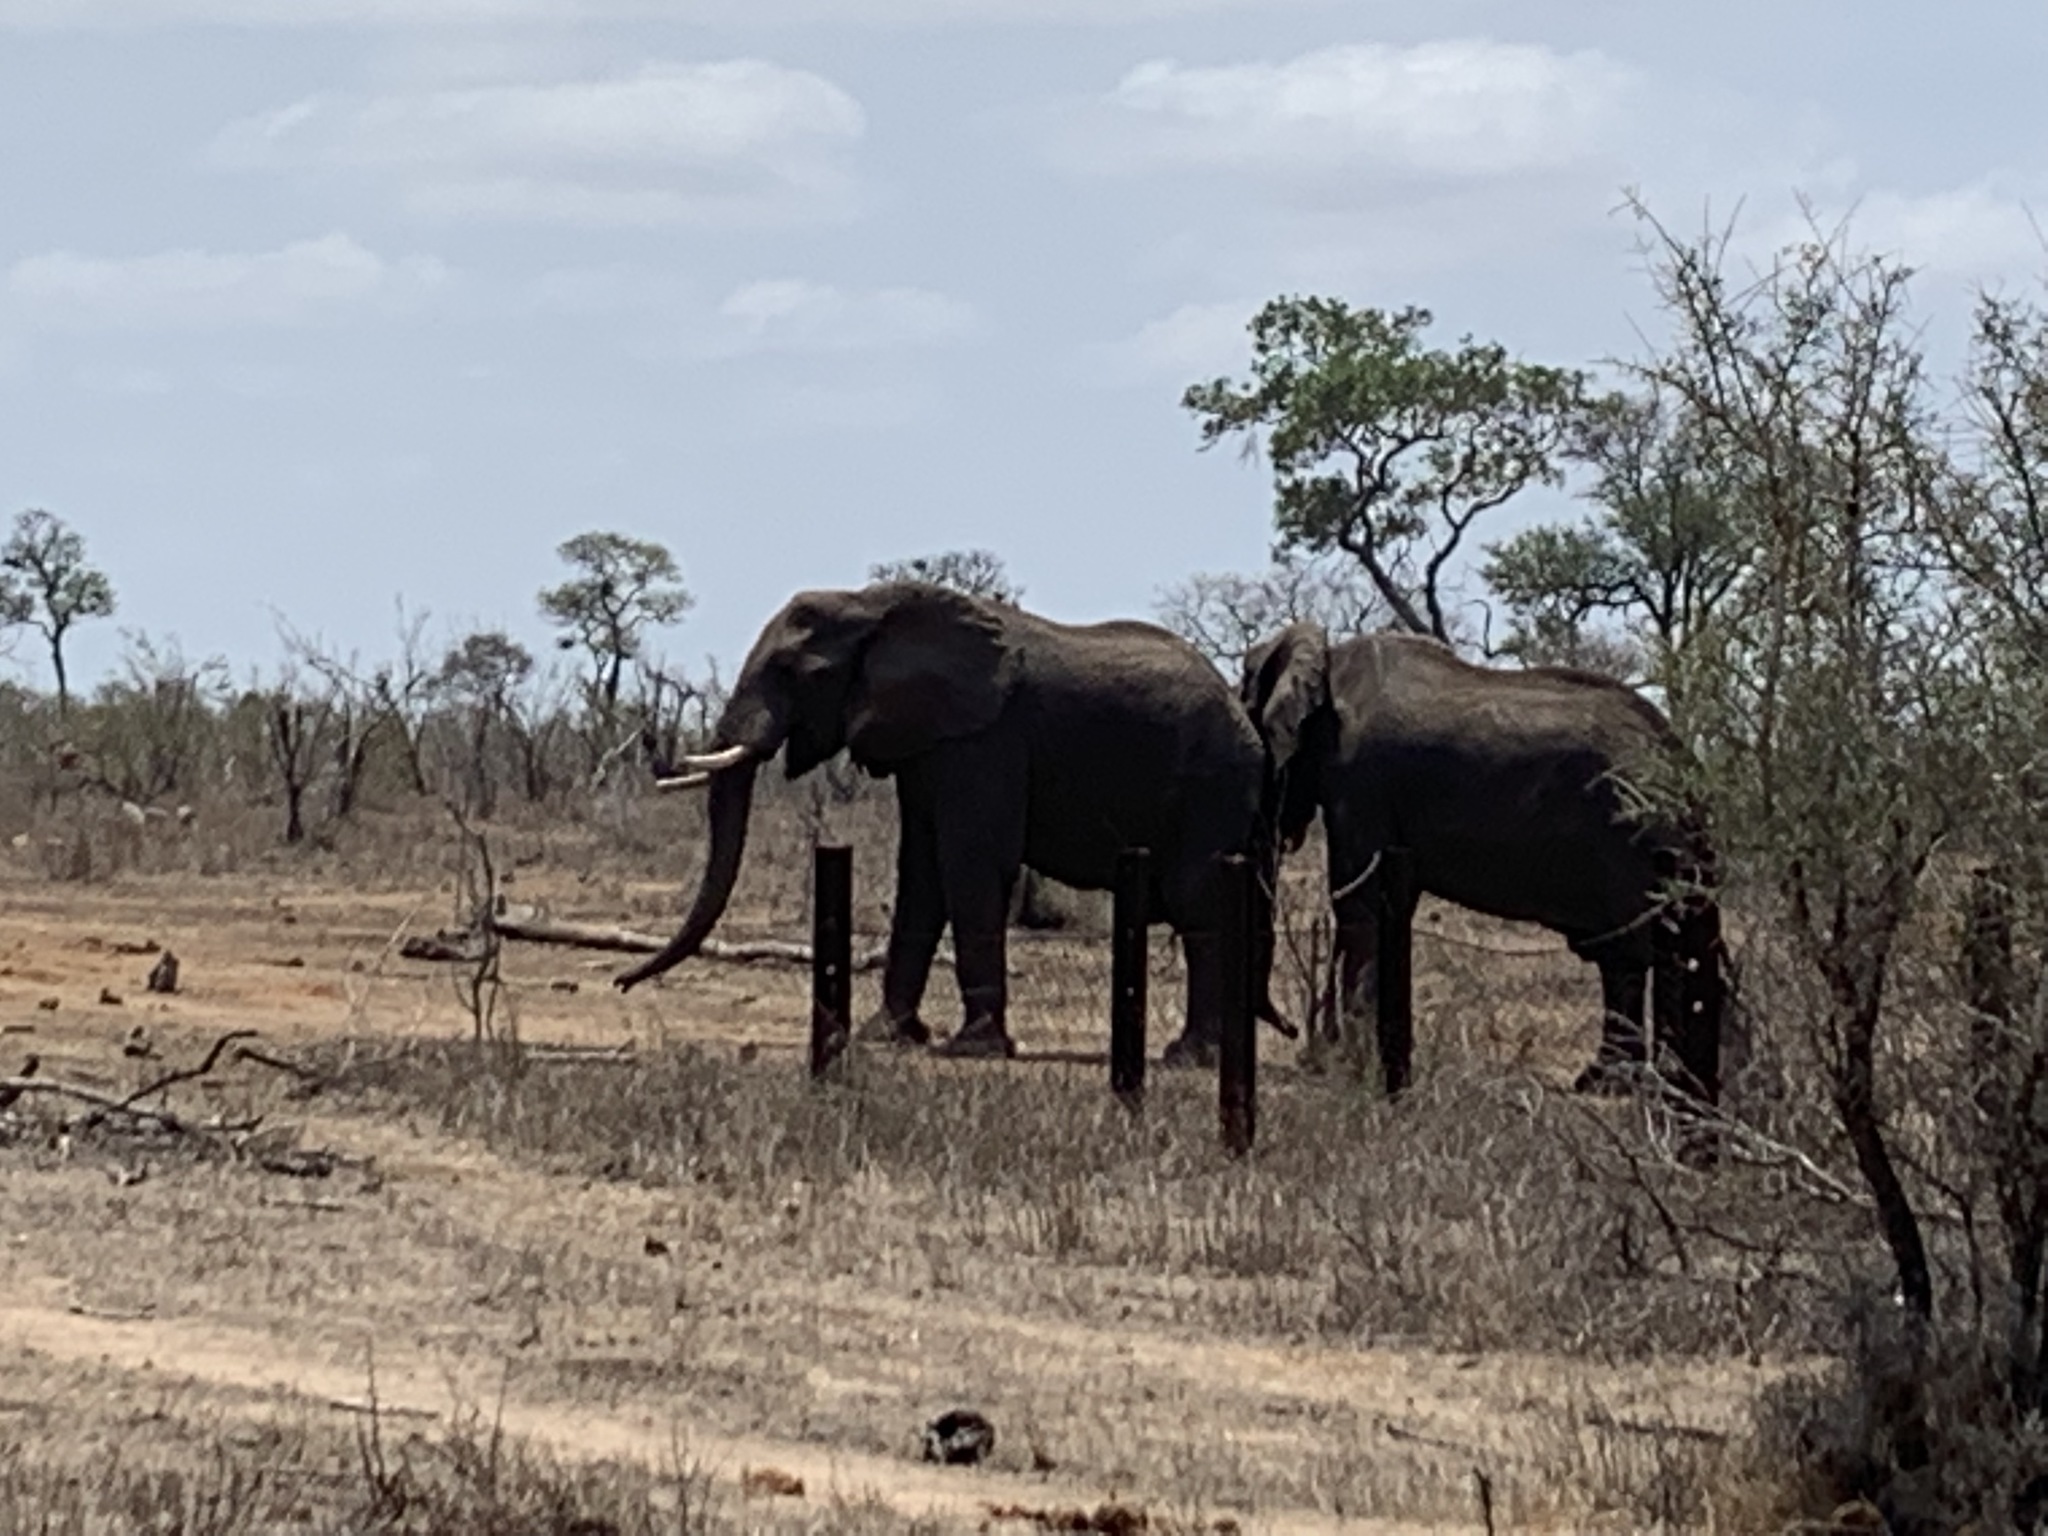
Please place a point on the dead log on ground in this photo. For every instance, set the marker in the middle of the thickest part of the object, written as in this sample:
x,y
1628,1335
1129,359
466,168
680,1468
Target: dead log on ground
x,y
625,941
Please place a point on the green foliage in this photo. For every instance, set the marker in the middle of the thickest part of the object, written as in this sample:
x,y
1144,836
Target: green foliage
x,y
1385,448
624,586
1663,550
485,667
976,572
45,581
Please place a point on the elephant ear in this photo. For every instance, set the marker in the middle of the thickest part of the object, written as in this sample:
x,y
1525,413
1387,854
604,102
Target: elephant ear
x,y
1286,680
939,666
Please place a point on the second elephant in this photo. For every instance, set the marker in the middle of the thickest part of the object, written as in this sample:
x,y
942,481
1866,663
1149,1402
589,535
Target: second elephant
x,y
1506,786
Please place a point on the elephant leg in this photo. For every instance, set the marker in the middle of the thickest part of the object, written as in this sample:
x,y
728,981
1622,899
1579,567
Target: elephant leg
x,y
914,927
979,819
979,899
1202,1033
1189,897
1624,1042
1358,968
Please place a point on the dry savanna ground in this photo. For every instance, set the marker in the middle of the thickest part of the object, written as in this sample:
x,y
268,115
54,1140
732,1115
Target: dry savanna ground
x,y
633,1271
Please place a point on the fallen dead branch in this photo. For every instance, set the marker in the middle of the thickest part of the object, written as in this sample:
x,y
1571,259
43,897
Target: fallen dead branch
x,y
375,1409
467,944
100,1105
103,1104
186,1074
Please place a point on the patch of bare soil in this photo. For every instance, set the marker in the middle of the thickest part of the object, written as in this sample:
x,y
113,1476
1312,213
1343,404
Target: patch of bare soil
x,y
810,1335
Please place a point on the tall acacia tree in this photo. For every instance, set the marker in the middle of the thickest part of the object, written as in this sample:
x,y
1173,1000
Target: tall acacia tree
x,y
46,582
1633,582
622,588
1386,448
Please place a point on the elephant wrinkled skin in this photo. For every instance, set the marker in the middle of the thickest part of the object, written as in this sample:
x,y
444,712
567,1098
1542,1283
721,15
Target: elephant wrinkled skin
x,y
1506,785
1013,741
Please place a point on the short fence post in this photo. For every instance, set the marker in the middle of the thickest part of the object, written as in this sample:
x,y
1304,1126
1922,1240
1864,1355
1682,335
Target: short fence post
x,y
1395,978
1127,975
831,955
1237,1062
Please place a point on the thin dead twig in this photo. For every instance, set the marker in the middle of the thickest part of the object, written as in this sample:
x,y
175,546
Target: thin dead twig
x,y
186,1074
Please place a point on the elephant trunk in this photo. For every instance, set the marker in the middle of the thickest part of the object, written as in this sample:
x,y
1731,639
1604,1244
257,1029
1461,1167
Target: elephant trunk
x,y
731,798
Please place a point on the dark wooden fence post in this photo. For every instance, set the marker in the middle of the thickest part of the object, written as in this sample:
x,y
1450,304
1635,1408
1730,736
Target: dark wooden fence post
x,y
1237,1061
1704,1005
831,955
1670,1014
1127,974
1395,980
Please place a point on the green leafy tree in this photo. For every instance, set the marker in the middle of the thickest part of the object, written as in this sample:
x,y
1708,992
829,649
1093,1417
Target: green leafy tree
x,y
622,587
481,675
46,582
1630,584
1386,448
976,572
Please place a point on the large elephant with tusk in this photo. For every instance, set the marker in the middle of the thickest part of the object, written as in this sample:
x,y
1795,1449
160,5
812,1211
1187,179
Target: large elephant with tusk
x,y
1013,741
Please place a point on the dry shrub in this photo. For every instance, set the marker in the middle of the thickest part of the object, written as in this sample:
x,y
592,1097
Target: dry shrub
x,y
1924,1431
1483,1212
214,1476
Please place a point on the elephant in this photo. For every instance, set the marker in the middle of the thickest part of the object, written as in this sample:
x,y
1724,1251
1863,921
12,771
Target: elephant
x,y
1013,741
1510,788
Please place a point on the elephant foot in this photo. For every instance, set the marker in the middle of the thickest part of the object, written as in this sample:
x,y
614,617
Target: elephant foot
x,y
1184,1050
881,1029
980,1039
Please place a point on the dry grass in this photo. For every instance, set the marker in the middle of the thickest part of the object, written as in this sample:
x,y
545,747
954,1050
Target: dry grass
x,y
1381,1308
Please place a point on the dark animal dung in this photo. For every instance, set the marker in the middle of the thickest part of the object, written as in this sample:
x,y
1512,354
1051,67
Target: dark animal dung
x,y
960,1438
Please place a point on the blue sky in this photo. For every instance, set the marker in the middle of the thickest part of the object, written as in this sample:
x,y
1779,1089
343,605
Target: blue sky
x,y
310,305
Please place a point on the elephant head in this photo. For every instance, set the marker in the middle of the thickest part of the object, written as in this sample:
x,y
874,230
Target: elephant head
x,y
1286,690
886,672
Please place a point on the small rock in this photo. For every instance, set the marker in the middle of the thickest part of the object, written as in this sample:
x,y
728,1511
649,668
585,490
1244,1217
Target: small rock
x,y
564,986
654,1247
163,976
961,1438
50,1004
109,998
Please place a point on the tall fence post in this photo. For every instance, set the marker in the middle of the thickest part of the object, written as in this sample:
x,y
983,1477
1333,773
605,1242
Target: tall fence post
x,y
1670,1017
1395,972
1237,1061
1704,998
1127,975
831,954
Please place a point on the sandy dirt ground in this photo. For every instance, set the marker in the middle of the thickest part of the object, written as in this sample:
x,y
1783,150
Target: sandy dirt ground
x,y
606,1319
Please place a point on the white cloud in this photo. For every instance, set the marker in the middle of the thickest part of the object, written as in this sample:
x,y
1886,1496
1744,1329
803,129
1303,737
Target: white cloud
x,y
1445,109
794,315
736,140
305,282
1970,232
65,15
1191,342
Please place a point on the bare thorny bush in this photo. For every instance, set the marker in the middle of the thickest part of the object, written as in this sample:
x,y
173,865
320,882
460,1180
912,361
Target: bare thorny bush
x,y
1861,708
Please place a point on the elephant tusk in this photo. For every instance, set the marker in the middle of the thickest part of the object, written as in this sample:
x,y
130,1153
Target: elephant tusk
x,y
683,781
714,762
